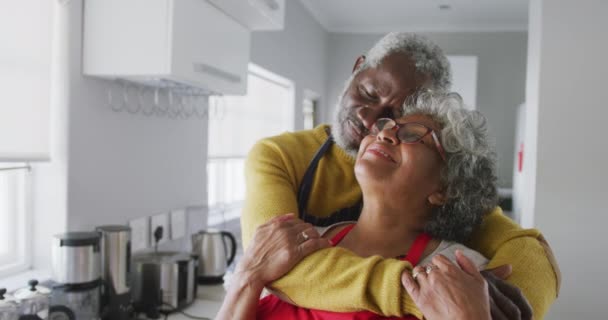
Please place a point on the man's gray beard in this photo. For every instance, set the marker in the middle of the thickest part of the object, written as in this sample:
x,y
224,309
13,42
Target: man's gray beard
x,y
337,130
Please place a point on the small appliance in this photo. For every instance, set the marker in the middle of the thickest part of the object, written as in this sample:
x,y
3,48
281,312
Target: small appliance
x,y
163,282
214,255
76,276
115,270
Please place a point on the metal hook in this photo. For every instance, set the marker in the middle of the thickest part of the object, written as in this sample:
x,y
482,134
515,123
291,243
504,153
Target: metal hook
x,y
142,97
111,96
131,91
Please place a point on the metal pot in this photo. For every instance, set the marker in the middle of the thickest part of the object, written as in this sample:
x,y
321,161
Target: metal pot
x,y
214,255
76,257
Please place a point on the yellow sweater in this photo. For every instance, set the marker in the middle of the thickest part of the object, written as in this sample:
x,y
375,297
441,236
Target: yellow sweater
x,y
336,279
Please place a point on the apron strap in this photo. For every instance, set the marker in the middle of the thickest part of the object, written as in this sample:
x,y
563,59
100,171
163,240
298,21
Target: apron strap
x,y
307,180
345,214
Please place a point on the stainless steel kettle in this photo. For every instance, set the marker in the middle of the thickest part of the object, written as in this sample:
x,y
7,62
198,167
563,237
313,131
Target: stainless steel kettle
x,y
214,255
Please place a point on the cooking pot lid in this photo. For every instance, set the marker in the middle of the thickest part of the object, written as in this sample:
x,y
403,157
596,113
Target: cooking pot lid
x,y
32,291
78,239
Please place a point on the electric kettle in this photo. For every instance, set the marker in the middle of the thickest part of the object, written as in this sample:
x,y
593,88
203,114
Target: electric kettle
x,y
214,255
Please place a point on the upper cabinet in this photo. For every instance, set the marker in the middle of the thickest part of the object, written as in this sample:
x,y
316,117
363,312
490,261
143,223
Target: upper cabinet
x,y
160,42
255,14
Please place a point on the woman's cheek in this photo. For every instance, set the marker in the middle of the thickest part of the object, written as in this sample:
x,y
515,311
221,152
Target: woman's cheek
x,y
364,143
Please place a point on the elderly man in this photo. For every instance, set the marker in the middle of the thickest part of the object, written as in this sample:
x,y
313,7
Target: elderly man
x,y
308,174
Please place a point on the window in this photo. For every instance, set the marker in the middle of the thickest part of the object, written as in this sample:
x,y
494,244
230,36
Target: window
x,y
14,244
310,109
236,123
25,78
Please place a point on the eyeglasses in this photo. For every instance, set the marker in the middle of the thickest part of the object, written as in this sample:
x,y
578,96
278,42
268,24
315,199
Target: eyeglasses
x,y
408,133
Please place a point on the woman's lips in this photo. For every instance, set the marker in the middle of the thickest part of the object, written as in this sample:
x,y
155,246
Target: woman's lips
x,y
380,152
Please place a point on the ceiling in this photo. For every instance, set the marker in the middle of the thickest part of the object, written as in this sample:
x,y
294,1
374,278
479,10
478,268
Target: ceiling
x,y
379,16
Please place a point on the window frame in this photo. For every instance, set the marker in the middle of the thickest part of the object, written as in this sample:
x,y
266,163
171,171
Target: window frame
x,y
21,188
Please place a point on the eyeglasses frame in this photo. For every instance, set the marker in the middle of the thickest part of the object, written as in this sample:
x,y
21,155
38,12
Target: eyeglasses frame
x,y
397,126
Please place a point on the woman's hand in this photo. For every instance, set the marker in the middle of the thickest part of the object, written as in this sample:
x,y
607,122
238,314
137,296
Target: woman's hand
x,y
277,246
449,291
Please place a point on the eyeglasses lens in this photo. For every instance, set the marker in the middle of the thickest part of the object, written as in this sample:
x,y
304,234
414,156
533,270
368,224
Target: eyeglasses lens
x,y
382,124
411,132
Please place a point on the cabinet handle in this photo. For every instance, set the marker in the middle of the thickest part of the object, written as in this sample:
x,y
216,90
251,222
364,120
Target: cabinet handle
x,y
205,68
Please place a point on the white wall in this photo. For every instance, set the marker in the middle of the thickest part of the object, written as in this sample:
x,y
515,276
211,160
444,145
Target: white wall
x,y
501,76
299,53
109,167
567,102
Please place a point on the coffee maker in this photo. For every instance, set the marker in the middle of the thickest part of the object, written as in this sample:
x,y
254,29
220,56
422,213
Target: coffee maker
x,y
76,276
115,272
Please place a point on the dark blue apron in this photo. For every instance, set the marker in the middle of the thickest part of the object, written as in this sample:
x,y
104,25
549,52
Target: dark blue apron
x,y
346,214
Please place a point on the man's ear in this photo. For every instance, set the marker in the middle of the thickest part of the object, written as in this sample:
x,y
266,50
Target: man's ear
x,y
358,62
438,198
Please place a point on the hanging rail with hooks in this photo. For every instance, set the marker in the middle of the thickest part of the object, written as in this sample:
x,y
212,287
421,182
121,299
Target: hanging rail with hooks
x,y
161,98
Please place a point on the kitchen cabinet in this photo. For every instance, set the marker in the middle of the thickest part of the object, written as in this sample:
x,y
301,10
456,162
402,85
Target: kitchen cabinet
x,y
166,42
255,14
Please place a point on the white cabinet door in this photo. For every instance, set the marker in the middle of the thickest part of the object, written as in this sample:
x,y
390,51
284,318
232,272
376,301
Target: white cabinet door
x,y
185,41
255,14
209,46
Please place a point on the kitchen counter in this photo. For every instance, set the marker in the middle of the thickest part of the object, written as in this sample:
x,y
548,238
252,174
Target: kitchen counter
x,y
207,304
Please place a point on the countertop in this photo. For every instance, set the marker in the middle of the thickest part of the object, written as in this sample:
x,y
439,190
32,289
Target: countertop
x,y
207,304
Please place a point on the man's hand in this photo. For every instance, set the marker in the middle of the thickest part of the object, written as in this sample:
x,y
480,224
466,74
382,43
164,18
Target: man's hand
x,y
506,301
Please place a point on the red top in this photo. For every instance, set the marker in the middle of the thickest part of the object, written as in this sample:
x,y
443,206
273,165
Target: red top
x,y
271,307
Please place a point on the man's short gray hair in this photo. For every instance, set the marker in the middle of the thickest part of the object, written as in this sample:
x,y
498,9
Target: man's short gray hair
x,y
469,174
427,56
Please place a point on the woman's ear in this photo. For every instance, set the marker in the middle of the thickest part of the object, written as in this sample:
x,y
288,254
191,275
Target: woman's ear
x,y
358,63
438,198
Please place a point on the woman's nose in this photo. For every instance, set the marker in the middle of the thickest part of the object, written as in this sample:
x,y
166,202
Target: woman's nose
x,y
388,136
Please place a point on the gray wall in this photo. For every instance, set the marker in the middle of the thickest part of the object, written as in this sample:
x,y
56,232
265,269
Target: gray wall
x,y
501,78
108,167
298,53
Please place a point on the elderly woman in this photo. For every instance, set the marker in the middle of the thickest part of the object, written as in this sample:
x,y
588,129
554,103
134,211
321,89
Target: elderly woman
x,y
427,179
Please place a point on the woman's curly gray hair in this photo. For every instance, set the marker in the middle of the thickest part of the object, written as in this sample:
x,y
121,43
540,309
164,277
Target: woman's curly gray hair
x,y
469,175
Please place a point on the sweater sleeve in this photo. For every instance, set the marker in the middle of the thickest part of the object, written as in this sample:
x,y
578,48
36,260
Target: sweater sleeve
x,y
535,270
332,279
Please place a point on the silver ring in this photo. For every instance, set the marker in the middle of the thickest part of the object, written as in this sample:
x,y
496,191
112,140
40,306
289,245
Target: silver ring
x,y
305,236
430,268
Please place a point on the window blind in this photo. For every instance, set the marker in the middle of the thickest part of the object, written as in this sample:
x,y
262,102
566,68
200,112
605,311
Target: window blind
x,y
25,86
